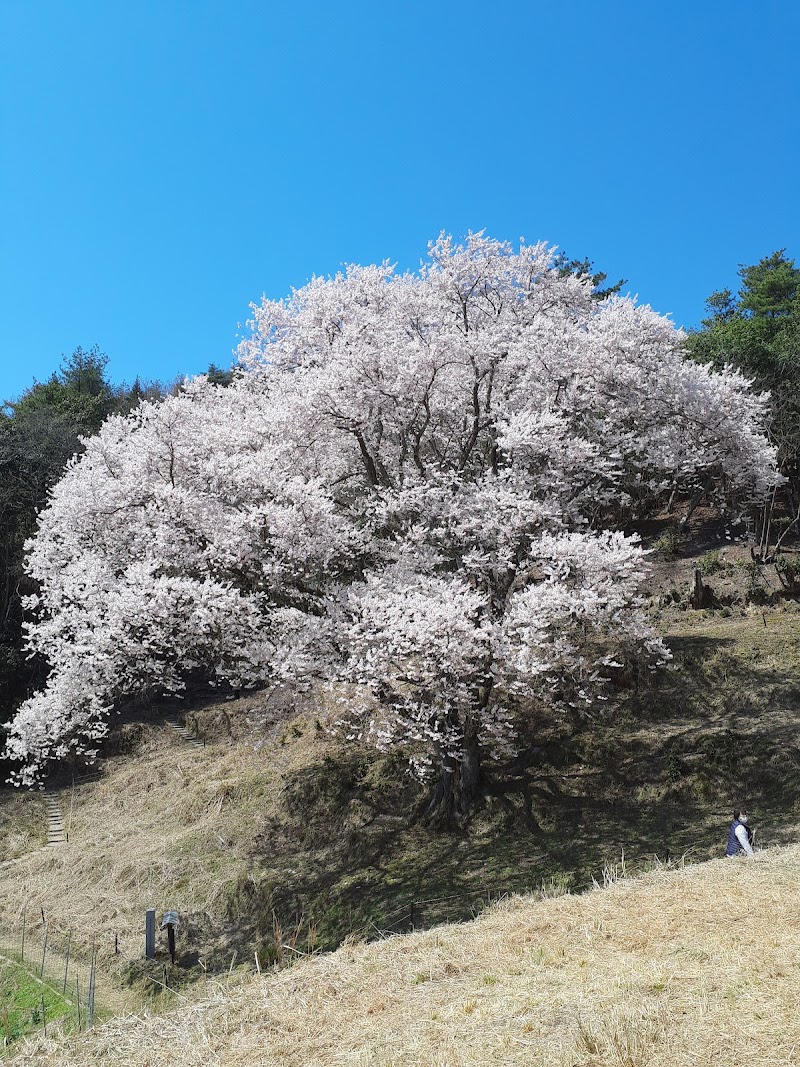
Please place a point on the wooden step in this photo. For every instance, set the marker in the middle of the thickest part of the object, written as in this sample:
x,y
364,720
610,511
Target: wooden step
x,y
55,822
185,734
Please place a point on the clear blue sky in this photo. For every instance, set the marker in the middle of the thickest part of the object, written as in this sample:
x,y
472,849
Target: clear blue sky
x,y
165,163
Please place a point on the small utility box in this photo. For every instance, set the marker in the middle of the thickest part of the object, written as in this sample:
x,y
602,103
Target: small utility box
x,y
169,921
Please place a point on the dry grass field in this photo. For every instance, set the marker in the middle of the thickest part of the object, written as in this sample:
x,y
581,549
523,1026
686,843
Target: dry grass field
x,y
276,823
168,825
22,828
274,834
685,967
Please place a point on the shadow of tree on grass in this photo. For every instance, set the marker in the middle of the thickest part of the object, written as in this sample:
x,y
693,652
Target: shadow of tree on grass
x,y
657,776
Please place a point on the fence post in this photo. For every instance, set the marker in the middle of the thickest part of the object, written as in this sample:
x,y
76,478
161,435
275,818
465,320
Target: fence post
x,y
90,1002
23,934
78,1001
44,952
71,806
66,965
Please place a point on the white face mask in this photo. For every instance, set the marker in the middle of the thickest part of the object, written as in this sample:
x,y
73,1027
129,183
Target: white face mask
x,y
742,818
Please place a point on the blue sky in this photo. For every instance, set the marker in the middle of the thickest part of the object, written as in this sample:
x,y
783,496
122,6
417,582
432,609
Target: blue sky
x,y
165,163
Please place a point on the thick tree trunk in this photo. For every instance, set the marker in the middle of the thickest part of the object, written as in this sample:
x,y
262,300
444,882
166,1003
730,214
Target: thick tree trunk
x,y
457,789
470,773
440,810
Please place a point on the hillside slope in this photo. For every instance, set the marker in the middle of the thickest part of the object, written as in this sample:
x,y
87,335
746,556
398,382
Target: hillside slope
x,y
692,966
274,834
274,825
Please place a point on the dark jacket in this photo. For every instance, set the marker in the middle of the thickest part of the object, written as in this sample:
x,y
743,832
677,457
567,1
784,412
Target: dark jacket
x,y
734,848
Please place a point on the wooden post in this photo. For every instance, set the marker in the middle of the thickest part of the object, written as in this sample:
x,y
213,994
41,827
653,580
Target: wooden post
x,y
71,806
701,595
171,942
90,1002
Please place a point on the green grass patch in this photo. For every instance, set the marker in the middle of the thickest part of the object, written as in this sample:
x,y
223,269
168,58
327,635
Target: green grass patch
x,y
26,1003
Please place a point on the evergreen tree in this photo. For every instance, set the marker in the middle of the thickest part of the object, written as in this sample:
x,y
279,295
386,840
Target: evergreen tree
x,y
218,376
39,433
758,331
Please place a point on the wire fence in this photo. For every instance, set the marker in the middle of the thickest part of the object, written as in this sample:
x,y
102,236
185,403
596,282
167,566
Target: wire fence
x,y
74,977
63,966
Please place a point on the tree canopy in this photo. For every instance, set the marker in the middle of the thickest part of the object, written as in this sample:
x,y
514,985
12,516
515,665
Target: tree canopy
x,y
414,487
40,432
758,331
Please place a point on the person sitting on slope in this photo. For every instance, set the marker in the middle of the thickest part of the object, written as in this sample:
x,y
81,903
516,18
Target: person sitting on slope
x,y
739,835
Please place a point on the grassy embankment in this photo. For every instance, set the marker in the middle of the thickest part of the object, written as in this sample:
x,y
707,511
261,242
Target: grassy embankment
x,y
693,966
22,827
273,825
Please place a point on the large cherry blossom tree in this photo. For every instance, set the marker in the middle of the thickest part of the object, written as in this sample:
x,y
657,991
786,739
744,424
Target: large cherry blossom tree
x,y
414,488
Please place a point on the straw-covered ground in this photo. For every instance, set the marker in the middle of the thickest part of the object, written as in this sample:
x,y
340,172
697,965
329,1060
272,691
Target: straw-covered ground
x,y
274,834
299,831
22,828
167,825
690,966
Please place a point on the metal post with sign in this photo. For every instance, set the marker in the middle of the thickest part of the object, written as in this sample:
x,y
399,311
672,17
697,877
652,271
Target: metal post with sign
x,y
150,934
169,920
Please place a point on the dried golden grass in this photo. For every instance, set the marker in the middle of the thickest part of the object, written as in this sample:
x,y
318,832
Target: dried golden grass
x,y
170,828
697,965
22,827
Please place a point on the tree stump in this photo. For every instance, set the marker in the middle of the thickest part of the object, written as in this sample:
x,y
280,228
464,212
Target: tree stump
x,y
701,595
